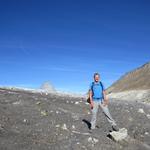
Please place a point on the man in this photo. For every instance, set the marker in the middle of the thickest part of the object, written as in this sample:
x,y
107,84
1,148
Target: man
x,y
98,98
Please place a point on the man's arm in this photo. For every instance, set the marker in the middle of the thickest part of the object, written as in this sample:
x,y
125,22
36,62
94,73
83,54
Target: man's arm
x,y
106,101
91,99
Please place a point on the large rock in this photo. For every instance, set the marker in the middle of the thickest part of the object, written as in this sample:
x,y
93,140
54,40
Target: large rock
x,y
119,135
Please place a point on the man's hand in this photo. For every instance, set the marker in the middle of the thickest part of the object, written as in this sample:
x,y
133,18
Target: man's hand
x,y
91,104
105,102
91,100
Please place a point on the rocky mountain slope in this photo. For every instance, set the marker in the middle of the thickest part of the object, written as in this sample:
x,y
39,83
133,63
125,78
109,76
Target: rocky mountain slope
x,y
138,79
41,121
134,85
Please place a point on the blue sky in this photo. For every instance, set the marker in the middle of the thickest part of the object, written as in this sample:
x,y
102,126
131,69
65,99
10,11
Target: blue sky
x,y
66,41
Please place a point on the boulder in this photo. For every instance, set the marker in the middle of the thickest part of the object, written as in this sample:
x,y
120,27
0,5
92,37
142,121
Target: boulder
x,y
119,135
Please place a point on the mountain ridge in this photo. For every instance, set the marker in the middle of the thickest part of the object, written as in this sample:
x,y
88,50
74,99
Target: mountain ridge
x,y
137,79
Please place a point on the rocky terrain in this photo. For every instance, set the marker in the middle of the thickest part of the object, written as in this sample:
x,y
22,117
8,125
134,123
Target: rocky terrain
x,y
134,85
137,79
42,121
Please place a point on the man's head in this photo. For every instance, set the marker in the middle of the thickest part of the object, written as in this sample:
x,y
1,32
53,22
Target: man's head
x,y
96,77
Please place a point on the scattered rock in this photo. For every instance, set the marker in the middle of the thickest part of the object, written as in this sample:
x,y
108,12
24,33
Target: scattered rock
x,y
92,140
76,103
89,113
119,135
38,103
25,120
57,112
73,126
141,111
57,126
146,133
127,111
17,103
44,113
130,119
66,130
64,127
75,116
1,127
148,116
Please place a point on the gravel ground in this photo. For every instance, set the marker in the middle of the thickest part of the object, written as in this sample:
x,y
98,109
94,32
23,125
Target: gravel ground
x,y
34,121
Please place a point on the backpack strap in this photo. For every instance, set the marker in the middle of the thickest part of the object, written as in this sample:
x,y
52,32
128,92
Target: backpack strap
x,y
101,85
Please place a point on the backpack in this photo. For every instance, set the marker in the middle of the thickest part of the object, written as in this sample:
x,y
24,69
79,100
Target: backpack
x,y
88,99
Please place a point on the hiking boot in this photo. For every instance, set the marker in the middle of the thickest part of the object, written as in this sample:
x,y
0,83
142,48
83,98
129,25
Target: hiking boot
x,y
92,127
115,127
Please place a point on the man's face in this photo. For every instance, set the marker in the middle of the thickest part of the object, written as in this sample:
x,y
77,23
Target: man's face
x,y
96,78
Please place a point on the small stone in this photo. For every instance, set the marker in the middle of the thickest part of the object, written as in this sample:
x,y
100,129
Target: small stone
x,y
95,140
148,116
57,126
92,140
84,147
127,110
64,127
44,113
38,103
17,103
130,119
76,103
89,113
73,126
146,133
141,111
25,120
1,127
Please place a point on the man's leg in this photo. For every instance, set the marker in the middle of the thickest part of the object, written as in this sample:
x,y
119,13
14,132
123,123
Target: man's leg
x,y
94,115
108,115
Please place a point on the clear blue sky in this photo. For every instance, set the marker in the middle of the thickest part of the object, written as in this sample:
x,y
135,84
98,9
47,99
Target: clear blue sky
x,y
66,41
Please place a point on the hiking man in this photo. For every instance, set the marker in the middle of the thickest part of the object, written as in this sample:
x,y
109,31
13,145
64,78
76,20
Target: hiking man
x,y
98,98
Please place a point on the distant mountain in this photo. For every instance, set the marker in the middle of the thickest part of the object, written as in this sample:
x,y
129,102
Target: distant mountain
x,y
47,86
138,79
